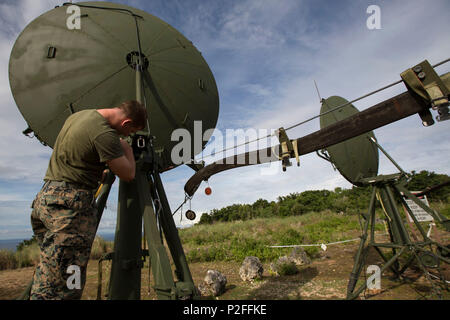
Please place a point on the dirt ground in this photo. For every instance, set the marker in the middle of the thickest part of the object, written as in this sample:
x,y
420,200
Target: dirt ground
x,y
325,278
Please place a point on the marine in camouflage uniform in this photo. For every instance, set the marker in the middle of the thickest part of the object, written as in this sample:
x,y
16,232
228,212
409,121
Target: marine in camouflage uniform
x,y
64,221
64,216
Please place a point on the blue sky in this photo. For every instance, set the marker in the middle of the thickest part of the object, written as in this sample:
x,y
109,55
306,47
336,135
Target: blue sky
x,y
265,56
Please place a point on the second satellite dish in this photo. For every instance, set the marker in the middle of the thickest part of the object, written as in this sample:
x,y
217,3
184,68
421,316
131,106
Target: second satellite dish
x,y
355,158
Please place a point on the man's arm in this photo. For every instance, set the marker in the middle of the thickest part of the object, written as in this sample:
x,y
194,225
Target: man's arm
x,y
125,166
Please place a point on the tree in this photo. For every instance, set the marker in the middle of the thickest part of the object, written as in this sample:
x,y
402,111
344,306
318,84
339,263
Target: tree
x,y
26,243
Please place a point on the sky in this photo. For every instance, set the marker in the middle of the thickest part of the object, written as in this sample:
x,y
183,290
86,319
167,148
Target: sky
x,y
265,56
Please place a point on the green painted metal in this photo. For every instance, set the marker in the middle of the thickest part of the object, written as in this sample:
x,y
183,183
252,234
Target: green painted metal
x,y
184,287
159,260
435,214
125,278
89,69
386,189
355,158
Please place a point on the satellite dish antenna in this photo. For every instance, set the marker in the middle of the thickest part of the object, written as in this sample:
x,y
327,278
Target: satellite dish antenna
x,y
357,160
55,71
114,53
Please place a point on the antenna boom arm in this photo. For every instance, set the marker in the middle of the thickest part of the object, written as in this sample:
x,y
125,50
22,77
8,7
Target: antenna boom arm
x,y
381,114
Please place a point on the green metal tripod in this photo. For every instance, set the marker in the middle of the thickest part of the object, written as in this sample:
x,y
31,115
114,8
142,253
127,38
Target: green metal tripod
x,y
144,200
426,252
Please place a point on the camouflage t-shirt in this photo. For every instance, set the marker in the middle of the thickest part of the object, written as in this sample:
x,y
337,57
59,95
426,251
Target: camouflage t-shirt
x,y
84,144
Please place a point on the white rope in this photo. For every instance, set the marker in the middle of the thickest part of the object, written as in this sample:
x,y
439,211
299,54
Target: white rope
x,y
322,245
436,277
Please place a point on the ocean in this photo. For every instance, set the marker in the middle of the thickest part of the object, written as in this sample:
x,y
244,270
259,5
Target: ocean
x,y
10,244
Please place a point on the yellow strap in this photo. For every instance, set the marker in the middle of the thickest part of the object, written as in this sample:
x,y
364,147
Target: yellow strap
x,y
98,191
297,157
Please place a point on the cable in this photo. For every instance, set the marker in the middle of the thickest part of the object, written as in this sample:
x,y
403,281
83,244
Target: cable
x,y
314,245
186,198
115,9
236,146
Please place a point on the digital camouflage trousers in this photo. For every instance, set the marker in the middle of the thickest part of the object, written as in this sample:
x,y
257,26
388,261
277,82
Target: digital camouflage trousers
x,y
64,221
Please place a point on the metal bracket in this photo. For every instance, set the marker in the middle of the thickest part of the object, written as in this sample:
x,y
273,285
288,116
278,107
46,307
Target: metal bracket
x,y
426,85
140,142
51,52
28,131
325,156
288,149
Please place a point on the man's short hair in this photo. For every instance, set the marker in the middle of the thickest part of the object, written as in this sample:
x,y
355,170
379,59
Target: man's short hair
x,y
136,112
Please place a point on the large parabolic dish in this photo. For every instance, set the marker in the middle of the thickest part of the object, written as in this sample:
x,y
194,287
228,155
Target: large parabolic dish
x,y
55,71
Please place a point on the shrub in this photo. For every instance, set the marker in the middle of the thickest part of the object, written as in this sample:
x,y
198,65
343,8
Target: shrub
x,y
28,255
99,247
287,269
7,259
284,267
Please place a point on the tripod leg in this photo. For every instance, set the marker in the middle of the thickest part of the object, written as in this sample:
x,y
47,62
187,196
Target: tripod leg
x,y
173,241
125,279
160,264
361,254
393,225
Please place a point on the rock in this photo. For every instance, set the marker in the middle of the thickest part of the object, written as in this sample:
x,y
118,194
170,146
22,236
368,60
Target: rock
x,y
299,257
251,269
213,284
283,266
287,265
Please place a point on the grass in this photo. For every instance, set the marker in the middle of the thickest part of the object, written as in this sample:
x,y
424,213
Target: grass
x,y
287,268
28,255
7,260
223,247
233,241
100,247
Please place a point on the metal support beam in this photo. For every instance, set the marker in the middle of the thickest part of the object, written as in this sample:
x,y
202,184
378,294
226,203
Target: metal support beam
x,y
381,114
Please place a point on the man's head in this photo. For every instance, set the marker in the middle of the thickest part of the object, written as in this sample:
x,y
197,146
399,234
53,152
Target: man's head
x,y
131,117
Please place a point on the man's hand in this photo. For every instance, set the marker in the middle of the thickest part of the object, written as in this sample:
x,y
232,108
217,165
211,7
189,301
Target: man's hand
x,y
105,174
